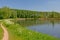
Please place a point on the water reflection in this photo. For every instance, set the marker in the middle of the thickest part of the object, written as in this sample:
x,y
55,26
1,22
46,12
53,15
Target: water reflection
x,y
52,24
31,22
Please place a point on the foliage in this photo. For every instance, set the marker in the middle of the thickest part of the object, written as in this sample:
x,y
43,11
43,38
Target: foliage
x,y
6,12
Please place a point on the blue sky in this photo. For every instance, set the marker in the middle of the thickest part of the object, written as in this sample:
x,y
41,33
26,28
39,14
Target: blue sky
x,y
37,5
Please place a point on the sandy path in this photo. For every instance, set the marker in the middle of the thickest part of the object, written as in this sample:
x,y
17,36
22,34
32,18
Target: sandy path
x,y
5,37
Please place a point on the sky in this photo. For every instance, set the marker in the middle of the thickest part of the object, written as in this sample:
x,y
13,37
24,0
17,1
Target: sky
x,y
36,5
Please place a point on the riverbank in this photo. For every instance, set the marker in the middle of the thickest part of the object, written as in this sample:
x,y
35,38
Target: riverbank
x,y
17,32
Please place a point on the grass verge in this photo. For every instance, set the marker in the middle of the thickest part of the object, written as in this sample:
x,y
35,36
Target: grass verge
x,y
1,33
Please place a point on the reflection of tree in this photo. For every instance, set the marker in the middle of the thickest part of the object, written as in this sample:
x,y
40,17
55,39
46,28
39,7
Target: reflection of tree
x,y
31,22
52,23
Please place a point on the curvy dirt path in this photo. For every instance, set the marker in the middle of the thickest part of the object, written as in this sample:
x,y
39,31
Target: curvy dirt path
x,y
5,37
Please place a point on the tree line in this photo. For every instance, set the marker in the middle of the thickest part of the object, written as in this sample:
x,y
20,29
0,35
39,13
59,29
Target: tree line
x,y
6,12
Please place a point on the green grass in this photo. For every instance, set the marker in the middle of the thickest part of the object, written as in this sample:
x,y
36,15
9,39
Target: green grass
x,y
1,33
17,32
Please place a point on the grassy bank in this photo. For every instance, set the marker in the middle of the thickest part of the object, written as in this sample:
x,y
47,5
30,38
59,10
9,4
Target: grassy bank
x,y
17,32
1,33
